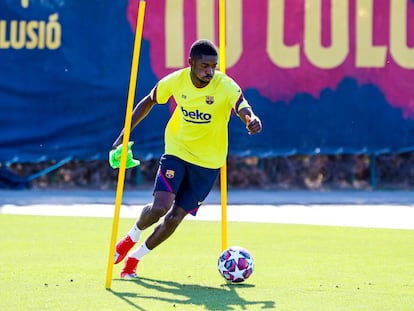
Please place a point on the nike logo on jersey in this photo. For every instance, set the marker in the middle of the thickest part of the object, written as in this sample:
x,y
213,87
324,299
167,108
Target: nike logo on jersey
x,y
196,116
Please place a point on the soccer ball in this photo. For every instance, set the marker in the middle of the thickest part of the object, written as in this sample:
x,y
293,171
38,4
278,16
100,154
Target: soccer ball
x,y
235,264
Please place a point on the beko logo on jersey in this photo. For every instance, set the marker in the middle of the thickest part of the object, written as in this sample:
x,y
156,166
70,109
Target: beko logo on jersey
x,y
196,116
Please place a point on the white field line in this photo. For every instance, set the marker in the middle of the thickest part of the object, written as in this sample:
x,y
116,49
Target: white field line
x,y
369,216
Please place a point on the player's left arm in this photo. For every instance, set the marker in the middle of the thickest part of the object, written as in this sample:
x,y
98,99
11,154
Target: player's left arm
x,y
252,122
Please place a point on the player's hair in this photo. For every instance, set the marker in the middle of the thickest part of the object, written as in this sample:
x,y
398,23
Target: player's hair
x,y
203,47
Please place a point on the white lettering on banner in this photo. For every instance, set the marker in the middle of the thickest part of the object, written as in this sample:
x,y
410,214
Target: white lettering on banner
x,y
32,34
25,3
401,53
281,55
367,54
205,10
336,53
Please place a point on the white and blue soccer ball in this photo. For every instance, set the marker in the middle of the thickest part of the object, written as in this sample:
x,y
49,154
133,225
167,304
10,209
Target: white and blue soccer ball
x,y
235,264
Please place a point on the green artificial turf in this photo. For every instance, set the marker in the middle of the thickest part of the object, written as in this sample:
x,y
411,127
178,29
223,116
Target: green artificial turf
x,y
59,263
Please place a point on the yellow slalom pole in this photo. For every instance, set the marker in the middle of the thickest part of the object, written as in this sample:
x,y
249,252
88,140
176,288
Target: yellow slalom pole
x,y
127,131
223,169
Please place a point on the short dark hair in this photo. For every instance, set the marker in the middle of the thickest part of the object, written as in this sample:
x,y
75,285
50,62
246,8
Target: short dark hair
x,y
203,47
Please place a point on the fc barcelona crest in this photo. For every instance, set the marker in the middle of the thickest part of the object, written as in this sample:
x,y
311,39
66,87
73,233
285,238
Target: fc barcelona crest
x,y
169,174
209,100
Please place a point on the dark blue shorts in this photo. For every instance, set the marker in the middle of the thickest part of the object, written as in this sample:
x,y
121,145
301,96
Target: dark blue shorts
x,y
190,183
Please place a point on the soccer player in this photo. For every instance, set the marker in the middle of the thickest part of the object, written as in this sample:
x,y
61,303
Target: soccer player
x,y
196,141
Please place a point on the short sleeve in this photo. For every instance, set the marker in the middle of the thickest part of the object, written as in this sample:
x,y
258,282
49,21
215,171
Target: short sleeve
x,y
161,92
241,103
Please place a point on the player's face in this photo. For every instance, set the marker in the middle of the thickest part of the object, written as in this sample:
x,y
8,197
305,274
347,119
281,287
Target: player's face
x,y
203,69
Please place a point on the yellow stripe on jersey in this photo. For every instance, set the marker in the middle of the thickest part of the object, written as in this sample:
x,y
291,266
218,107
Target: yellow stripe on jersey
x,y
197,130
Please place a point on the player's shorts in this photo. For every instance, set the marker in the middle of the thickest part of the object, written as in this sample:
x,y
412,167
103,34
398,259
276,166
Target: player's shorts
x,y
190,183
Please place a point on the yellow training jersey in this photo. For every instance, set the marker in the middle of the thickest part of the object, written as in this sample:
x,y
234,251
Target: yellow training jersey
x,y
197,130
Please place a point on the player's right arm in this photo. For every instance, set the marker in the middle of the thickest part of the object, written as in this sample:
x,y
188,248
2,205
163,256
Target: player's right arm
x,y
160,94
140,111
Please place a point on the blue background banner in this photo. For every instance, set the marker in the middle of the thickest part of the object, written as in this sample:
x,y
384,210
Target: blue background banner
x,y
64,77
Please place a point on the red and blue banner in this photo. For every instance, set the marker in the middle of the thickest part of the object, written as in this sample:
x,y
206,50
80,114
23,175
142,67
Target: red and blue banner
x,y
325,76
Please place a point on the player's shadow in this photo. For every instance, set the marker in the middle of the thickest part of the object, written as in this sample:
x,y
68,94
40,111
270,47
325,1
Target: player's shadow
x,y
212,298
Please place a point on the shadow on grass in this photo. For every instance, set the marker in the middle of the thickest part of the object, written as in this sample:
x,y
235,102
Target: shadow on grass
x,y
211,298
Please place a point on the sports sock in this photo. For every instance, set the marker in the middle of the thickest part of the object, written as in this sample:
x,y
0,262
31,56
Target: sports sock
x,y
134,233
140,252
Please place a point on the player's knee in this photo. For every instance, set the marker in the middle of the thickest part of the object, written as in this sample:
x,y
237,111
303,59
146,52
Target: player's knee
x,y
160,210
173,220
175,216
162,203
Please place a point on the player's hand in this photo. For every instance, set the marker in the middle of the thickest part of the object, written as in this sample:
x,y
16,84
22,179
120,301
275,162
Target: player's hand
x,y
253,124
115,157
